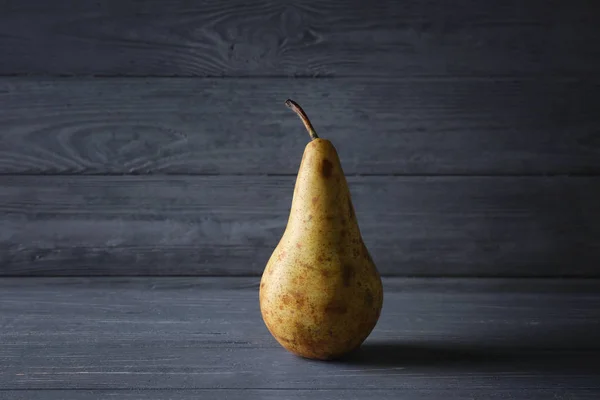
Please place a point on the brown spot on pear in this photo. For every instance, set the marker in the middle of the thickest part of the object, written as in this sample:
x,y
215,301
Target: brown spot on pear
x,y
282,255
347,274
336,307
300,298
326,167
305,265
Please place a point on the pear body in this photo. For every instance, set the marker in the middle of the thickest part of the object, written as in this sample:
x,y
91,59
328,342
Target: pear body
x,y
320,293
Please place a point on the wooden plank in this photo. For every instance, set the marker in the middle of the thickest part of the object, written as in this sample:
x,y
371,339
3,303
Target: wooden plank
x,y
207,334
218,225
306,38
521,392
240,126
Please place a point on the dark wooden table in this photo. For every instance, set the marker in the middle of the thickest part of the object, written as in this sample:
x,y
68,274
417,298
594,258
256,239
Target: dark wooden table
x,y
191,338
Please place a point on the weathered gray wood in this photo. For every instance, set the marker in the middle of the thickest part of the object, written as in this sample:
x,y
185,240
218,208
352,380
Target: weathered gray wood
x,y
520,391
495,338
303,38
241,126
216,225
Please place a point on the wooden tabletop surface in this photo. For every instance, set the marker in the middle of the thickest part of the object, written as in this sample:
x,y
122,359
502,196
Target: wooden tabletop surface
x,y
191,338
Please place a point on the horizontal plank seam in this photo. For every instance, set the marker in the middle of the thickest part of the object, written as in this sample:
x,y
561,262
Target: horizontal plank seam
x,y
425,77
352,174
411,278
593,278
176,389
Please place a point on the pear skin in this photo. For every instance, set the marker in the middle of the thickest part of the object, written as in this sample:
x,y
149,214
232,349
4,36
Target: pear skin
x,y
320,293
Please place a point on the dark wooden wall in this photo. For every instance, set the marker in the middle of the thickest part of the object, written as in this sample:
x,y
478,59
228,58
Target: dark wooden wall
x,y
150,137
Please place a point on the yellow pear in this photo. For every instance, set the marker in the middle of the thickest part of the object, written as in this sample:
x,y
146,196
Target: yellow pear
x,y
320,292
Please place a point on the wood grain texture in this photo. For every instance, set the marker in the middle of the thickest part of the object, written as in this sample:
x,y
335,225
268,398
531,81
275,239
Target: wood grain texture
x,y
496,339
518,391
217,225
300,38
241,126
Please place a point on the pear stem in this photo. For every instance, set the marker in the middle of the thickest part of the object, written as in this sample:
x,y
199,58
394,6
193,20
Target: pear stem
x,y
298,110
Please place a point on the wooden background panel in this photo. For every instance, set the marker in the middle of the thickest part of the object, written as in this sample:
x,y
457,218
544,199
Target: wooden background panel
x,y
203,333
516,391
217,225
241,126
299,38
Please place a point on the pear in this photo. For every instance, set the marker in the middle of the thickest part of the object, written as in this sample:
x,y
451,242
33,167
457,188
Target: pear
x,y
320,293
